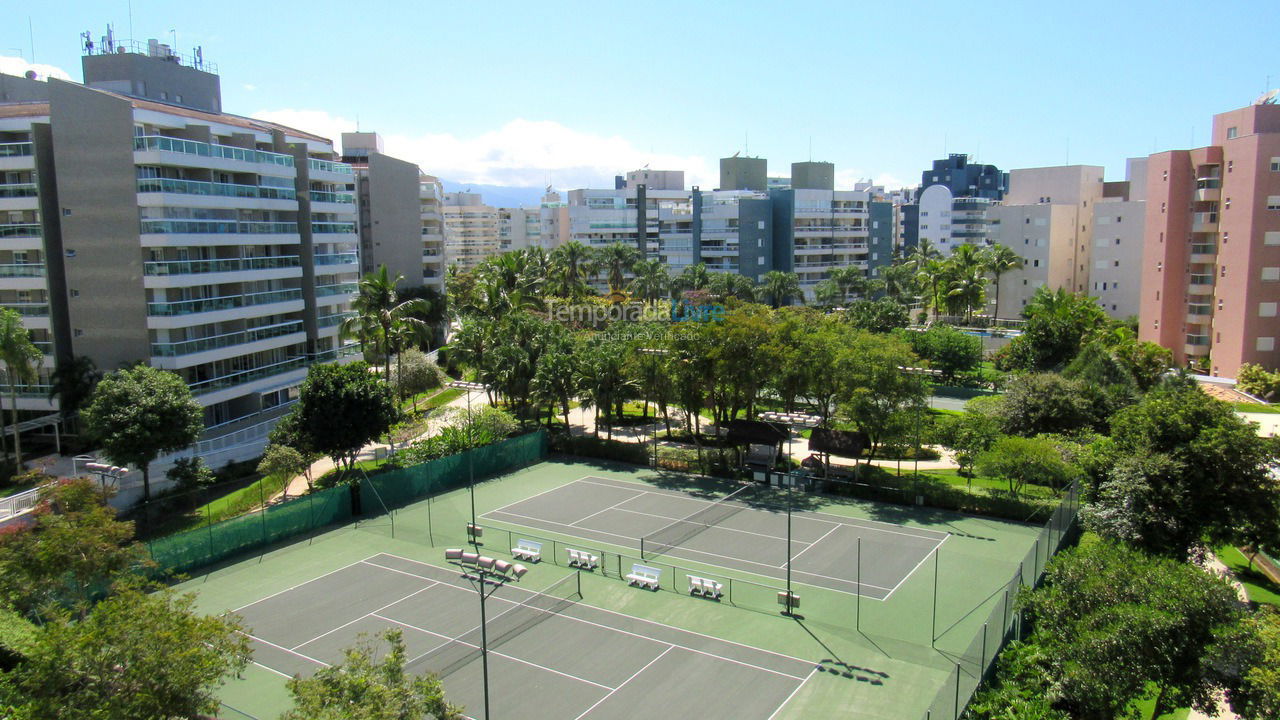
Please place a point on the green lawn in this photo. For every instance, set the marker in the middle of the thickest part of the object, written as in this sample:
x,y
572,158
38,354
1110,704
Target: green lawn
x,y
1148,706
1258,586
1256,408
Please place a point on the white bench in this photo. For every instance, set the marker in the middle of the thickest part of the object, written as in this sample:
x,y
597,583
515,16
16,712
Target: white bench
x,y
582,559
644,576
527,550
705,587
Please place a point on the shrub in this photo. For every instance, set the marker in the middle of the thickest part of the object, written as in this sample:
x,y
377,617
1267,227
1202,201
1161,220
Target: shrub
x,y
1255,380
190,474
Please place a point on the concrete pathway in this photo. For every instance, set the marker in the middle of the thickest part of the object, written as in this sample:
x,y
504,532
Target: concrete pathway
x,y
1213,565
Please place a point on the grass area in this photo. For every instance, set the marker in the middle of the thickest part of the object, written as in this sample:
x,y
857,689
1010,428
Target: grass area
x,y
955,479
1257,586
242,500
1148,706
427,403
332,477
1256,408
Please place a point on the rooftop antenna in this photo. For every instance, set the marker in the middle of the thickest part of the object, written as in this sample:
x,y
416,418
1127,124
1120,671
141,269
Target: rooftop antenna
x,y
810,148
131,35
746,143
31,37
1068,151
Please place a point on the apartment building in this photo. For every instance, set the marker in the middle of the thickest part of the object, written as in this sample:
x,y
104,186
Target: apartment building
x,y
1211,256
816,231
950,207
470,229
1119,217
431,215
141,223
389,206
519,228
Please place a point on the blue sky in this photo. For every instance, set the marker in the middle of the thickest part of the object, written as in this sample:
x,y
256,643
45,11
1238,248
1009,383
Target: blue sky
x,y
572,93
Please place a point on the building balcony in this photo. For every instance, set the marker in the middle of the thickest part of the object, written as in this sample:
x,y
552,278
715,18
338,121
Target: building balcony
x,y
29,310
188,347
216,227
247,376
1196,345
219,265
18,149
1200,285
164,144
341,228
212,189
327,321
1204,222
20,230
1203,253
1212,193
22,270
1199,314
337,259
341,198
18,190
228,302
337,289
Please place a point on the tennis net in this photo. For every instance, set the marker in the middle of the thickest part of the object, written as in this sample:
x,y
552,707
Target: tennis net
x,y
509,624
681,531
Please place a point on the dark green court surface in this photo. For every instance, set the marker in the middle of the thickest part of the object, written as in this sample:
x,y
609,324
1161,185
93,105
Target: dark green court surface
x,y
581,662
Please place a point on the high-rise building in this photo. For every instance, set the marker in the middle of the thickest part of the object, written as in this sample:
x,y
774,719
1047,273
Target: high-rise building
x,y
390,210
817,231
431,213
1118,220
143,224
1211,256
951,205
470,229
744,173
519,228
655,179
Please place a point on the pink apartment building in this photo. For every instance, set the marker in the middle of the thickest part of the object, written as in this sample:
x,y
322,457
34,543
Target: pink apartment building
x,y
1211,252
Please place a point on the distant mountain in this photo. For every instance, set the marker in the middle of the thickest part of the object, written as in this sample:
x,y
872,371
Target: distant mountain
x,y
499,195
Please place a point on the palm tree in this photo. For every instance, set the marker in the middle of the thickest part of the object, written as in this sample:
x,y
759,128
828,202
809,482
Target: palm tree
x,y
849,280
780,287
616,260
969,288
899,279
569,270
931,274
694,277
999,260
732,284
21,366
827,293
652,282
378,308
923,253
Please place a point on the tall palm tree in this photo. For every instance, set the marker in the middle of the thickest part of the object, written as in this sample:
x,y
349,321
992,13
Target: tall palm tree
x,y
616,260
827,293
999,260
570,266
378,308
899,279
652,282
694,277
966,257
923,253
732,284
930,274
850,280
21,366
780,287
968,287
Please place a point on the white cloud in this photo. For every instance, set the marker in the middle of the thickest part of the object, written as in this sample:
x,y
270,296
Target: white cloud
x,y
18,66
521,153
845,179
249,87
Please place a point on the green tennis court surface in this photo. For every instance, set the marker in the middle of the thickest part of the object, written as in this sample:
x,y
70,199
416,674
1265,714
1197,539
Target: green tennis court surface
x,y
897,650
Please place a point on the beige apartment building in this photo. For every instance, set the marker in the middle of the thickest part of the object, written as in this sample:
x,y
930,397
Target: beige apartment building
x,y
470,229
1211,260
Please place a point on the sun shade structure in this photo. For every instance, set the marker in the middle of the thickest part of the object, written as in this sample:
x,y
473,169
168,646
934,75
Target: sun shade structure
x,y
754,432
845,443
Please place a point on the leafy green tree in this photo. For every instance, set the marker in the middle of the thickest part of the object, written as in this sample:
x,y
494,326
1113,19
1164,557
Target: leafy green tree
x,y
1146,361
72,383
136,655
1251,666
878,316
284,462
21,360
379,310
75,550
415,374
1058,324
138,413
949,351
1181,469
998,260
899,281
555,381
1037,403
363,687
1255,380
827,293
780,287
968,435
1019,461
190,474
1116,625
876,393
617,260
342,408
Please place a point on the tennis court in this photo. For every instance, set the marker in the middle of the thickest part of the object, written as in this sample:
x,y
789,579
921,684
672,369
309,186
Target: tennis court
x,y
549,657
850,555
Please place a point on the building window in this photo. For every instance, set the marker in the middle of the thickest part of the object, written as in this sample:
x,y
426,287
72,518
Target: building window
x,y
1273,202
1271,273
1271,238
1267,309
1117,241
1275,164
1117,263
1232,133
1166,176
1266,344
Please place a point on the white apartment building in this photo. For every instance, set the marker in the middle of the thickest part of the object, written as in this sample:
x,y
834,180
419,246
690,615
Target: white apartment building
x,y
947,221
431,212
470,229
519,228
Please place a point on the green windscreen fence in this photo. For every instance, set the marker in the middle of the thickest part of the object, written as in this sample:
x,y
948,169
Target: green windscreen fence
x,y
186,551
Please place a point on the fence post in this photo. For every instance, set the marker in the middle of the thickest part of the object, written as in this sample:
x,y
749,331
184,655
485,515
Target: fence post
x,y
957,715
857,617
933,634
208,523
982,669
262,502
1004,615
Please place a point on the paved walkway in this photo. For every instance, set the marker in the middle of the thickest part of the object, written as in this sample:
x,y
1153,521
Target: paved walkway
x,y
1214,565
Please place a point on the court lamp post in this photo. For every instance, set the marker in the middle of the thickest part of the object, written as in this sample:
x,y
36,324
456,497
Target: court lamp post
x,y
654,352
486,575
789,421
472,529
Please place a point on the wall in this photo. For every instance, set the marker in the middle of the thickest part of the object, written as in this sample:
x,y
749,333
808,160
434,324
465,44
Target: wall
x,y
395,218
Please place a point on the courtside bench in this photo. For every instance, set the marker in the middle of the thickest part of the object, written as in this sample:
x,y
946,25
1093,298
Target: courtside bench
x,y
527,550
644,576
582,559
705,587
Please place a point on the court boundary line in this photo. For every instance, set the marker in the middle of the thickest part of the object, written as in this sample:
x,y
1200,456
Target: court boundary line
x,y
932,553
433,583
804,682
295,587
634,675
718,526
650,622
809,546
711,554
835,518
611,507
806,514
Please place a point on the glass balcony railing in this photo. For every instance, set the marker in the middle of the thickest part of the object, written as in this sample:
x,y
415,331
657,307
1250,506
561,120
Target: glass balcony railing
x,y
1204,249
28,309
1204,218
17,149
198,187
18,190
191,147
228,302
333,227
334,319
205,227
22,270
1208,183
338,289
332,197
335,353
245,376
337,259
1197,339
194,267
1201,279
1199,309
329,166
9,230
187,347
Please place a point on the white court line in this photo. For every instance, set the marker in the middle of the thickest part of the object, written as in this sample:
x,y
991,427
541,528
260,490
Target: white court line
x,y
793,692
711,554
658,624
270,669
633,497
544,492
283,648
933,552
809,514
295,587
624,682
717,527
815,542
491,652
373,612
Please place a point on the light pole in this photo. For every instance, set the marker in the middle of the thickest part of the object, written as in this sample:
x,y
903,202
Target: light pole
x,y
486,575
470,387
654,352
790,420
